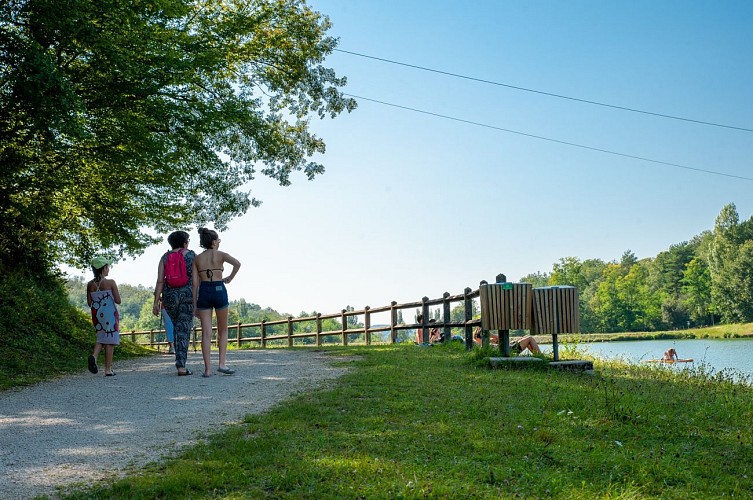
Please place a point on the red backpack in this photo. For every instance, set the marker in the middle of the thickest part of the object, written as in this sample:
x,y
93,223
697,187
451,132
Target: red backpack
x,y
176,270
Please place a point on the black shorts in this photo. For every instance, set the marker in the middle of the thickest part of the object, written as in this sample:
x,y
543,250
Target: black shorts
x,y
212,295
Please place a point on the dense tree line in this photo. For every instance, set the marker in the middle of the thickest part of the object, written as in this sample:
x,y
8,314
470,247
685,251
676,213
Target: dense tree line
x,y
700,282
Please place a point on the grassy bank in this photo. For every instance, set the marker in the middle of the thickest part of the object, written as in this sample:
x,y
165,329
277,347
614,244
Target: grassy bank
x,y
41,334
410,422
738,330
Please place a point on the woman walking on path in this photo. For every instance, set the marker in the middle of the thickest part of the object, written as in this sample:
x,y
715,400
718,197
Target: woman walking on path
x,y
102,296
209,293
174,289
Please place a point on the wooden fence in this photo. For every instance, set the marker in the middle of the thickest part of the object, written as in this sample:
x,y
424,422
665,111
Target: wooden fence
x,y
504,306
240,333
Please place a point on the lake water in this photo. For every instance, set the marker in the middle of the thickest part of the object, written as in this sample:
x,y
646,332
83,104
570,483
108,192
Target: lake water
x,y
719,354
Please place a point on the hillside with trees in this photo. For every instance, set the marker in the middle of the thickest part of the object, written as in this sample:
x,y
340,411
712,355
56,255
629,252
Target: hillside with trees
x,y
700,282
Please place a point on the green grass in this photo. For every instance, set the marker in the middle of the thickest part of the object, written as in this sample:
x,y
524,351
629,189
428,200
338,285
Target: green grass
x,y
412,422
41,334
736,330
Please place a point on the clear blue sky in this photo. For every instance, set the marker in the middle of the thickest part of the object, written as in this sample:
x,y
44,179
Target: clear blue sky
x,y
413,205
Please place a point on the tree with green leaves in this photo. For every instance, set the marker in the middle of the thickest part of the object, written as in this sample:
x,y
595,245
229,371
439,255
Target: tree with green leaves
x,y
628,259
574,272
739,285
147,320
642,303
585,276
537,279
696,288
117,118
668,267
623,300
351,321
730,265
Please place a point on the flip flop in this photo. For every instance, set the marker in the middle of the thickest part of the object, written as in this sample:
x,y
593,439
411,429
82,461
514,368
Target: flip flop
x,y
187,372
226,371
204,375
110,374
93,364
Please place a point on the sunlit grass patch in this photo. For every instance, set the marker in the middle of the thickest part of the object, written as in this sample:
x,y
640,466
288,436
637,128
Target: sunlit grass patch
x,y
410,421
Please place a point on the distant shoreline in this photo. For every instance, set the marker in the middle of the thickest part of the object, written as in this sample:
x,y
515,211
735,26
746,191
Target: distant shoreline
x,y
732,331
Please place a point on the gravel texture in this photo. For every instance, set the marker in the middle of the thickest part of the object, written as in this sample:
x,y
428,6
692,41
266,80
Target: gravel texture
x,y
84,428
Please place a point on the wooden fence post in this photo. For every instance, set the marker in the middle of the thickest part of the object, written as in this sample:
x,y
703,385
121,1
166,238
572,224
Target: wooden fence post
x,y
482,300
555,306
238,335
151,337
290,331
367,324
393,322
504,335
318,329
468,305
484,332
424,320
446,317
264,334
344,326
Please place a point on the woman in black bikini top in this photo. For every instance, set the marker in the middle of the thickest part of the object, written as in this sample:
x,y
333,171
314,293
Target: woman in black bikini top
x,y
210,273
210,294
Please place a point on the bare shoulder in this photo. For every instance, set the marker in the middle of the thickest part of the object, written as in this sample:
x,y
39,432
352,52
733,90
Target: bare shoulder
x,y
226,257
198,258
108,284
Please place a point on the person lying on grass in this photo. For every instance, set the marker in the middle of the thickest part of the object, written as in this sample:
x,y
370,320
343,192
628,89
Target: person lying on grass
x,y
517,346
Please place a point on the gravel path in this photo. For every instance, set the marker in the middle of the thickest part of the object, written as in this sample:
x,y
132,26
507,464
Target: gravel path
x,y
83,428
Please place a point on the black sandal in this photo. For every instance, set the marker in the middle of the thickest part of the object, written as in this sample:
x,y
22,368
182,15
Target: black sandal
x,y
93,364
187,372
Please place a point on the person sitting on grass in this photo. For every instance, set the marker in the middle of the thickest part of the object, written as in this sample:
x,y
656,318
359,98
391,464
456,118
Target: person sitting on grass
x,y
434,333
419,331
517,346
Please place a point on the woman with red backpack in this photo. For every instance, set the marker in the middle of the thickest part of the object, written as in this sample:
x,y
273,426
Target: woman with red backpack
x,y
174,286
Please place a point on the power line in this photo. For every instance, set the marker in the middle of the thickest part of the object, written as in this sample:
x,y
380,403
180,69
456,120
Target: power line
x,y
479,124
586,101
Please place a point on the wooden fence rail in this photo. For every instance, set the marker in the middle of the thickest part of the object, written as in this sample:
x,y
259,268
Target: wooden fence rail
x,y
504,307
150,337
